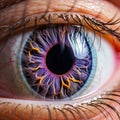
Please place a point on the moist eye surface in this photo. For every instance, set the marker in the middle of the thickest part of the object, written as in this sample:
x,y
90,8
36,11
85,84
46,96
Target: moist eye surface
x,y
56,61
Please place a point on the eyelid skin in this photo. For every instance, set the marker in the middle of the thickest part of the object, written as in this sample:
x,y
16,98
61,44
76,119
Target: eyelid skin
x,y
7,3
15,109
93,7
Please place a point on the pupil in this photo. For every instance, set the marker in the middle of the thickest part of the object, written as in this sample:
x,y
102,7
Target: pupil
x,y
59,60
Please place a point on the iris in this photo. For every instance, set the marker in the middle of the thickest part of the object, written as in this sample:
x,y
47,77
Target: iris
x,y
57,61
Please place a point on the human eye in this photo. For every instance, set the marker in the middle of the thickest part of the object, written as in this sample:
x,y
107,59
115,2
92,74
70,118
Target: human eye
x,y
77,19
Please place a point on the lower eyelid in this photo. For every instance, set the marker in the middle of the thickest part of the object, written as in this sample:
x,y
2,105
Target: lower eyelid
x,y
94,110
26,112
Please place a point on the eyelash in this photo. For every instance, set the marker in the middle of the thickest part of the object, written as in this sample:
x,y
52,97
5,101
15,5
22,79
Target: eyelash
x,y
81,111
98,27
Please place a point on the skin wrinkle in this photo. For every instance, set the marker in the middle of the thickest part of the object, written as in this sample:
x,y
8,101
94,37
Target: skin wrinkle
x,y
25,111
7,3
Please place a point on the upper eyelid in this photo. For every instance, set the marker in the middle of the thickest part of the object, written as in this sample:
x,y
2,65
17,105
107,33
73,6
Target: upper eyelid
x,y
4,27
94,24
25,9
20,13
5,4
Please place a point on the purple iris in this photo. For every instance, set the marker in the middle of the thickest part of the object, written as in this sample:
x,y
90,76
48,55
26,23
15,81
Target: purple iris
x,y
57,61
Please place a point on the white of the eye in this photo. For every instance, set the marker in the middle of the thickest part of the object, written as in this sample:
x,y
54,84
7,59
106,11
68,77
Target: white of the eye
x,y
103,72
104,68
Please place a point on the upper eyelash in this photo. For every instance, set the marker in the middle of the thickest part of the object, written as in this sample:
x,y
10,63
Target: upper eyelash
x,y
96,25
103,26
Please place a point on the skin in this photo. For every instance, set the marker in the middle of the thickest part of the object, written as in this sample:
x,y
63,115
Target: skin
x,y
22,109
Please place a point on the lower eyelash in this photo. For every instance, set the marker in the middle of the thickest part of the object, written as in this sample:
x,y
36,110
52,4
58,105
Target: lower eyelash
x,y
83,111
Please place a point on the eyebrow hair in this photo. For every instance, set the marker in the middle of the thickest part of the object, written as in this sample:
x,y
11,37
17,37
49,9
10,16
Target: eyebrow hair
x,y
8,3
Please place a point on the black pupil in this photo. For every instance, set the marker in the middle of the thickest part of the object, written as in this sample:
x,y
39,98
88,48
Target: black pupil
x,y
60,59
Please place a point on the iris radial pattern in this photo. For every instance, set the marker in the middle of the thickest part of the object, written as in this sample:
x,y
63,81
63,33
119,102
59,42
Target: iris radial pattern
x,y
56,61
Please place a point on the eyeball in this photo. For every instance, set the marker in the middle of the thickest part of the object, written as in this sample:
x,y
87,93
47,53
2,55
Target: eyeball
x,y
62,62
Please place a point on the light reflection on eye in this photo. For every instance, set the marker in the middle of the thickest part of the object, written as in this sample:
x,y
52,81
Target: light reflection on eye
x,y
22,87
